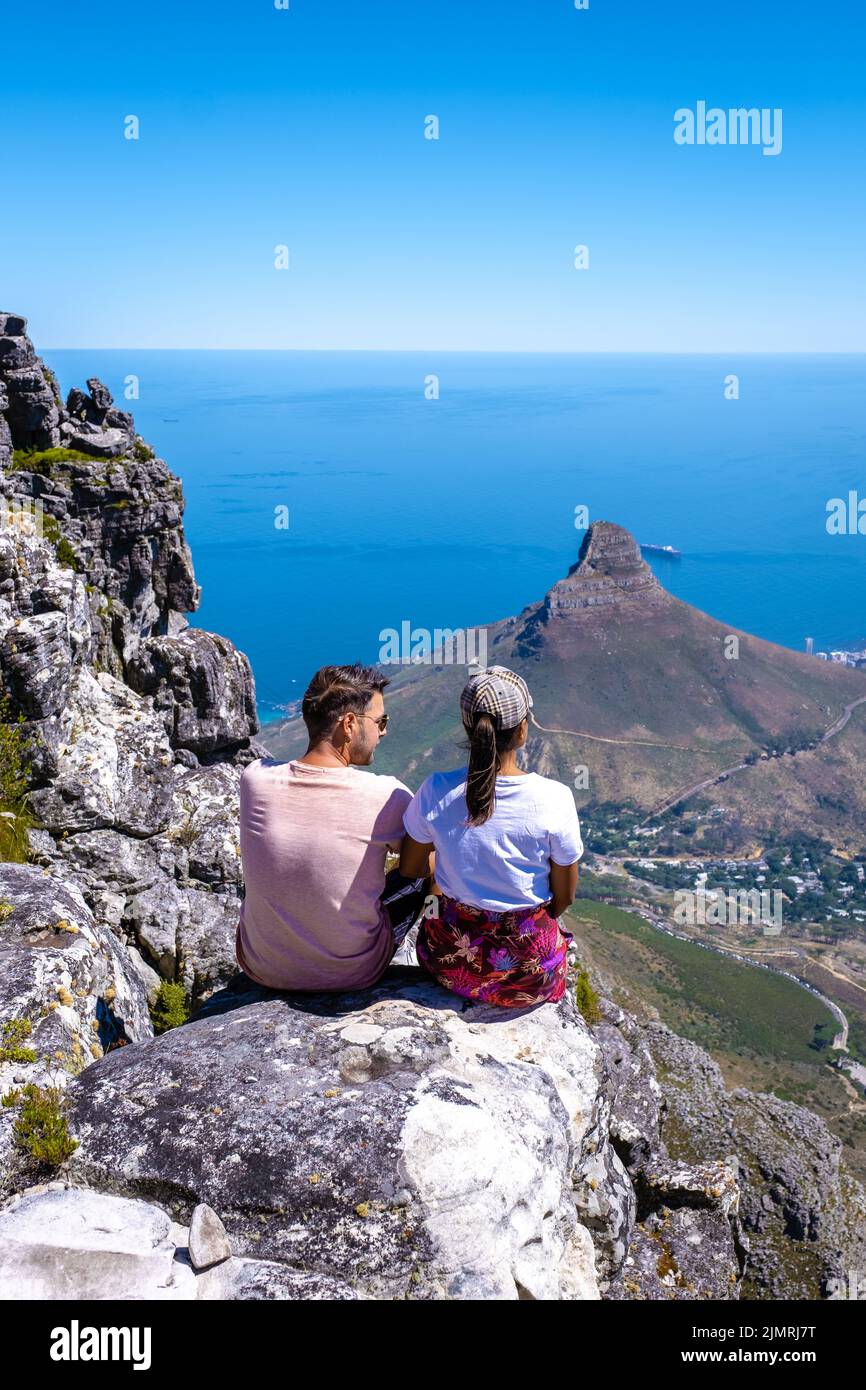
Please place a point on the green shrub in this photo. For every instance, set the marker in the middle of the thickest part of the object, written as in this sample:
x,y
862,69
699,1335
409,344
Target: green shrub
x,y
586,998
15,818
12,1048
172,1006
13,753
42,1128
142,451
67,555
65,552
43,460
51,528
14,839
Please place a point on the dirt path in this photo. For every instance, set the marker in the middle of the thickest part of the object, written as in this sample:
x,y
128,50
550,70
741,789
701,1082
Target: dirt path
x,y
835,728
597,738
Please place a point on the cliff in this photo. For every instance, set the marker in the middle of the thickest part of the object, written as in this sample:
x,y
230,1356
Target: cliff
x,y
137,726
395,1143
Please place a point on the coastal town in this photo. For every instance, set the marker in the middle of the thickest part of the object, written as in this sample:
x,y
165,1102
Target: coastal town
x,y
855,659
823,892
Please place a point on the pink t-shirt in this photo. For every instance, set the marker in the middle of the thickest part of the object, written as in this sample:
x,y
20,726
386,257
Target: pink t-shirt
x,y
313,845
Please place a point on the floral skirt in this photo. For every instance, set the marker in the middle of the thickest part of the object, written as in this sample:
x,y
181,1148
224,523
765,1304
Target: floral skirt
x,y
513,958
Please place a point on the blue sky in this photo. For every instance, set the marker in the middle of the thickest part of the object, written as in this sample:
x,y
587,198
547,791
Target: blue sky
x,y
305,127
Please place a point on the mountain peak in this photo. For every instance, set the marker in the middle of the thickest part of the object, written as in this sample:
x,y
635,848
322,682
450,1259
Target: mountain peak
x,y
610,579
608,550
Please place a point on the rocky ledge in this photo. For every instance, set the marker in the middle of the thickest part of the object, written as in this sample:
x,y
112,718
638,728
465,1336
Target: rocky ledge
x,y
386,1144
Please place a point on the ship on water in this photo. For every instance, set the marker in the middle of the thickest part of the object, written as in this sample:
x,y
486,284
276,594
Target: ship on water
x,y
668,550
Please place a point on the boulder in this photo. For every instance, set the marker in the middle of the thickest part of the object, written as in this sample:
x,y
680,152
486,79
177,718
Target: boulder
x,y
63,1242
106,761
201,684
60,1243
145,891
393,1141
208,1241
205,820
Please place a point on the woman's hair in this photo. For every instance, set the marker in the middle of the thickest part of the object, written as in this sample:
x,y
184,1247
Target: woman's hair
x,y
486,743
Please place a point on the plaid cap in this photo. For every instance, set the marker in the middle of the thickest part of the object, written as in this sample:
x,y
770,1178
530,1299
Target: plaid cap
x,y
498,692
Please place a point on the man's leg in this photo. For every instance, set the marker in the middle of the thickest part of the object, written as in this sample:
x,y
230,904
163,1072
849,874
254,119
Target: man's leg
x,y
403,900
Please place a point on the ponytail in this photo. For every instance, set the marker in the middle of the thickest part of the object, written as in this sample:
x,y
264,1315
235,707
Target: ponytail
x,y
486,743
483,767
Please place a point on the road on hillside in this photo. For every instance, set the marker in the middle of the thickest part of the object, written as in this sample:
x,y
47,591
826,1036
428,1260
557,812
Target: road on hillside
x,y
835,728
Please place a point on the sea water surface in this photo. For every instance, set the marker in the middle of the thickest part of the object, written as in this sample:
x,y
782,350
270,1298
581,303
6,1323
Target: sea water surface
x,y
460,510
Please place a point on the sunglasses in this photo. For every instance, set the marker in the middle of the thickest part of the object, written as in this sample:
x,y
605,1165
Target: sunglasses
x,y
382,721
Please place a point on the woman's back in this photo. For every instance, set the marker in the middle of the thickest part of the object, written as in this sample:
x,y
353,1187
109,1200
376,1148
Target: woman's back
x,y
505,862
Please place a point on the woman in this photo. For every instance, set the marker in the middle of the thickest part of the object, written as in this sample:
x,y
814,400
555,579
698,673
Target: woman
x,y
507,844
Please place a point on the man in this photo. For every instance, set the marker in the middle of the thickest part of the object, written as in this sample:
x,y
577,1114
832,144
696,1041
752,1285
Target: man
x,y
319,913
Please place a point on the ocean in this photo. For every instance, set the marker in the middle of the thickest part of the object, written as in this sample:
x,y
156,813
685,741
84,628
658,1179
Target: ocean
x,y
330,495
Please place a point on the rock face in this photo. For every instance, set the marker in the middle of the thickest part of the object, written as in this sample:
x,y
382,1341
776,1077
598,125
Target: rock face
x,y
119,508
610,573
33,406
803,1215
137,726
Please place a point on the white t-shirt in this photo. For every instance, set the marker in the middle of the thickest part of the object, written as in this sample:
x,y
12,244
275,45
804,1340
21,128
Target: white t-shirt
x,y
505,862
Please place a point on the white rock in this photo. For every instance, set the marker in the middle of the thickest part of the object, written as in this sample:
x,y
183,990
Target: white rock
x,y
208,1239
81,1244
362,1033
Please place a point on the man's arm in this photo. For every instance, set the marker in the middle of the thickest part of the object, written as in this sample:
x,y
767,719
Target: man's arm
x,y
416,860
563,886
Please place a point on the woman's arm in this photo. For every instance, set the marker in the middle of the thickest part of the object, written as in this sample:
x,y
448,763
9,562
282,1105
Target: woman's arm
x,y
563,886
416,860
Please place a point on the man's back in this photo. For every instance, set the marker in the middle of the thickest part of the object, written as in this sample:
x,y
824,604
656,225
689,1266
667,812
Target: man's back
x,y
313,845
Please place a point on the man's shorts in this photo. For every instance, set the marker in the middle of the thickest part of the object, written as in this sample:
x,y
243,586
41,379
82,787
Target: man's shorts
x,y
403,900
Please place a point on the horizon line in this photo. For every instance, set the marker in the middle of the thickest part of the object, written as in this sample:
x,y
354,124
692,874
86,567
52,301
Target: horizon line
x,y
495,352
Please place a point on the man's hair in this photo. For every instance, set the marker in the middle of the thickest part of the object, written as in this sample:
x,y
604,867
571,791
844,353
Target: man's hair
x,y
334,691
